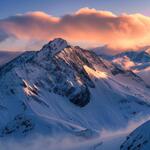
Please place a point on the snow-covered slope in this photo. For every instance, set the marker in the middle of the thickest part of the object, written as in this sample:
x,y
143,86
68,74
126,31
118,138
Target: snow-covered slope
x,y
138,139
63,89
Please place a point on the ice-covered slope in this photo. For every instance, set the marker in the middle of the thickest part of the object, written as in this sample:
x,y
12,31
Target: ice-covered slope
x,y
138,139
66,89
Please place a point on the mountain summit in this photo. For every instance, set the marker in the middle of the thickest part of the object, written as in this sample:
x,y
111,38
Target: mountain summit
x,y
55,46
67,89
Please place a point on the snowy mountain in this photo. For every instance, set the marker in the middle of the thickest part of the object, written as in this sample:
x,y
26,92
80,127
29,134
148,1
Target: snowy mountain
x,y
137,57
138,139
65,90
137,61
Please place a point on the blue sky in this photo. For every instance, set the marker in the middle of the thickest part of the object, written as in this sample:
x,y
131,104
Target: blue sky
x,y
61,7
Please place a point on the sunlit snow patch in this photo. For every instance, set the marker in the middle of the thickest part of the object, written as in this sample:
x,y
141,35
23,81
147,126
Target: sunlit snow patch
x,y
96,73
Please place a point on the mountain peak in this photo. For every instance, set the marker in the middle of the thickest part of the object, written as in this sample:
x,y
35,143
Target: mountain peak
x,y
55,46
59,42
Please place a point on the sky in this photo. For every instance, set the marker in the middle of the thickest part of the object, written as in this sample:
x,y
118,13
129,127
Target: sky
x,y
22,22
62,7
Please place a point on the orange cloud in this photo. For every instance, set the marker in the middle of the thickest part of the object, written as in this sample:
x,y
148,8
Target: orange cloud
x,y
86,26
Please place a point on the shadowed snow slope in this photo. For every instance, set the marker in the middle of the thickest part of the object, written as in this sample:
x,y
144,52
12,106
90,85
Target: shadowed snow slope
x,y
63,89
138,139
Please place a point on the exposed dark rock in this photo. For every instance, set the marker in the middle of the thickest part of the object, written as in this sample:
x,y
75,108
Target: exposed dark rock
x,y
81,98
20,123
117,70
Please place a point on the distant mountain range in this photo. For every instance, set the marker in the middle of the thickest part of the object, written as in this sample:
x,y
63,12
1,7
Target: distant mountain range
x,y
137,61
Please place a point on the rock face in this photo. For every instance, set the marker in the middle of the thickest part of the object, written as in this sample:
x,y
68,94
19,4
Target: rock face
x,y
81,98
139,139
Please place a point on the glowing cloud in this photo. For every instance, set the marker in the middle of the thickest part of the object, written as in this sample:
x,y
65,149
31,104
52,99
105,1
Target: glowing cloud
x,y
86,26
